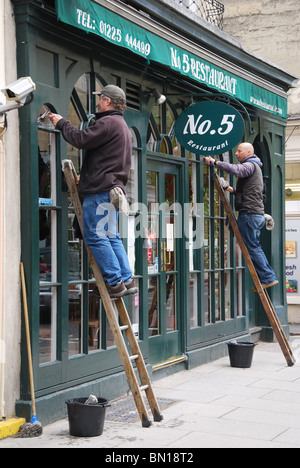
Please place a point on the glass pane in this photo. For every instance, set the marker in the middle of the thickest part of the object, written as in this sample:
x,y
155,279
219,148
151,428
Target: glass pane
x,y
170,200
218,315
132,186
152,190
206,190
192,187
44,166
170,189
94,319
74,249
134,311
171,303
207,299
110,342
239,289
75,319
170,245
292,185
73,153
227,295
217,246
207,244
47,335
153,247
157,114
170,120
82,88
153,223
193,301
153,305
46,246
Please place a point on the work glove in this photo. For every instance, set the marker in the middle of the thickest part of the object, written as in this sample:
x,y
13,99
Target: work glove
x,y
270,223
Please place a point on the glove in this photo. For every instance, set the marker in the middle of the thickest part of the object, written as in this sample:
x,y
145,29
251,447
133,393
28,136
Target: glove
x,y
224,183
270,223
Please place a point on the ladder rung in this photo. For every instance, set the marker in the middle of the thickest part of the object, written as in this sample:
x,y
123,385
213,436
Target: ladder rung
x,y
124,327
134,357
144,387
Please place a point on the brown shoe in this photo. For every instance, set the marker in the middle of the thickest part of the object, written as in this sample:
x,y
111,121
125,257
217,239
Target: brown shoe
x,y
117,291
131,288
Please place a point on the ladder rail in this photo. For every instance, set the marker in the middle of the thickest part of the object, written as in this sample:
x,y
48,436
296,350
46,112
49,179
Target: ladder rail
x,y
117,330
263,294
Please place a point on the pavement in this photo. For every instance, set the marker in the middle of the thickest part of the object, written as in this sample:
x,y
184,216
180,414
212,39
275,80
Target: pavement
x,y
211,406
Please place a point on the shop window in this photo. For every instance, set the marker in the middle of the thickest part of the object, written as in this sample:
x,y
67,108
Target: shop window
x,y
92,334
132,243
222,257
48,228
161,134
194,253
82,301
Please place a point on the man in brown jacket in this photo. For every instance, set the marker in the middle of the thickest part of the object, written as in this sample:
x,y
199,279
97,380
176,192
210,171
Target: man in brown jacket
x,y
106,166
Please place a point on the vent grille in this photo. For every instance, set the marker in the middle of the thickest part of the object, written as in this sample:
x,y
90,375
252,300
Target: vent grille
x,y
133,94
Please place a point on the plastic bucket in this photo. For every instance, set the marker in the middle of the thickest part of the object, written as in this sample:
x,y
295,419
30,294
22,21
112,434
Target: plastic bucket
x,y
86,420
241,354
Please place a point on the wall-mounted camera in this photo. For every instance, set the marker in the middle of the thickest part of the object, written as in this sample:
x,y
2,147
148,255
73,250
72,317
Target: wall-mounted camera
x,y
18,93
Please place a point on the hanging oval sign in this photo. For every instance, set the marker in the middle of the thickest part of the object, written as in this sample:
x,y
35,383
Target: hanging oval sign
x,y
209,128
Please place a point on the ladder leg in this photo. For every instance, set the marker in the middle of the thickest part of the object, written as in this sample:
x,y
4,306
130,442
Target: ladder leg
x,y
140,364
263,295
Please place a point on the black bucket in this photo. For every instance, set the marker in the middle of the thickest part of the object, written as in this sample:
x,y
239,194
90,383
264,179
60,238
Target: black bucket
x,y
241,354
86,420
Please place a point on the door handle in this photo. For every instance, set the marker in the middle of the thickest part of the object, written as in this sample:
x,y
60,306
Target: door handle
x,y
163,256
166,257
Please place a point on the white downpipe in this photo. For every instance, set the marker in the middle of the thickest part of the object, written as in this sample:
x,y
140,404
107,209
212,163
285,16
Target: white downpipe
x,y
2,334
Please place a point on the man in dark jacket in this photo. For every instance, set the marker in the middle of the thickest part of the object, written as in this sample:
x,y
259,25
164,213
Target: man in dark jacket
x,y
106,166
249,203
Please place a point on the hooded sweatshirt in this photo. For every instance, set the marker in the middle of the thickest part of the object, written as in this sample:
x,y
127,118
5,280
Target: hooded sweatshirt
x,y
108,145
250,186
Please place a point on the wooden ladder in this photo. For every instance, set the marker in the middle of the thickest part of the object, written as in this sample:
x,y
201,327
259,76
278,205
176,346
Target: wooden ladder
x,y
111,306
263,294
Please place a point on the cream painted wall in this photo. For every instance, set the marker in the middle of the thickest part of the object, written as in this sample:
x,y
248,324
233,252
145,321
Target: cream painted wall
x,y
10,226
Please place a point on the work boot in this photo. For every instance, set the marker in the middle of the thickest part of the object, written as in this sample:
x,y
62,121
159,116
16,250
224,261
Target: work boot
x,y
131,288
117,291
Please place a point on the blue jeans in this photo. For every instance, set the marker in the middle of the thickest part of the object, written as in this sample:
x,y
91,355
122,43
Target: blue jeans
x,y
250,226
100,234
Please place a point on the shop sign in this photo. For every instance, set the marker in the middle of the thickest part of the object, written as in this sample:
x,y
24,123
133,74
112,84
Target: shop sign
x,y
293,258
209,128
93,18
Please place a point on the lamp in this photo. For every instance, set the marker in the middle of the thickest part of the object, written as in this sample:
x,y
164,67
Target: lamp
x,y
159,98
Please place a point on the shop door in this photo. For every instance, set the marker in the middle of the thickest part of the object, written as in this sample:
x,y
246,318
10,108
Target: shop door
x,y
163,255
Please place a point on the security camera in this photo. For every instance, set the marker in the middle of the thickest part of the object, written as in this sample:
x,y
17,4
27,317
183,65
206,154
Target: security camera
x,y
18,92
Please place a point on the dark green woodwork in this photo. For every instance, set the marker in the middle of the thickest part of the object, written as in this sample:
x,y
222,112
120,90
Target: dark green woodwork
x,y
55,56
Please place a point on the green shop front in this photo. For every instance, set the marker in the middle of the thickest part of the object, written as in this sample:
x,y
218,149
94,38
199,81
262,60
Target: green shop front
x,y
194,290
